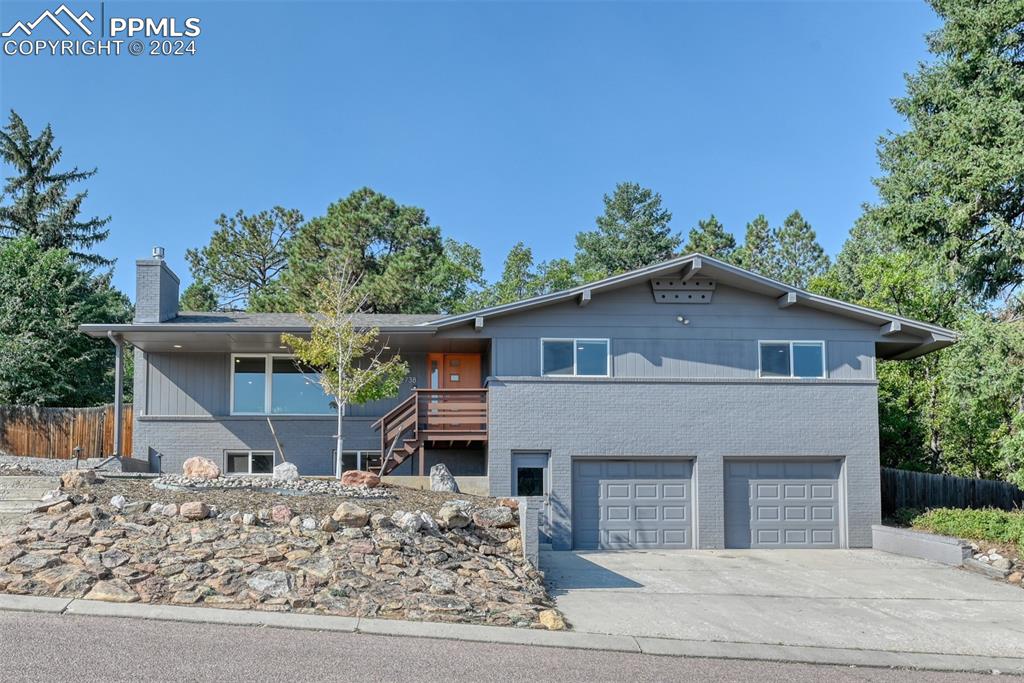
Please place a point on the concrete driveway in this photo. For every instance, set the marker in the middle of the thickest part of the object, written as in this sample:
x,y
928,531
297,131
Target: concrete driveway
x,y
859,599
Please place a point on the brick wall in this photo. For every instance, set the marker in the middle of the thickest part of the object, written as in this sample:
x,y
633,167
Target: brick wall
x,y
704,420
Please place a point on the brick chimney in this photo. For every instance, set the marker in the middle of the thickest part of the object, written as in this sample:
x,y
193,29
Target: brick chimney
x,y
156,289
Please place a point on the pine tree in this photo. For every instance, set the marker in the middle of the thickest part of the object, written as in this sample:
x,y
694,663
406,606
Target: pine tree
x,y
633,232
711,239
759,252
39,206
800,257
198,296
245,255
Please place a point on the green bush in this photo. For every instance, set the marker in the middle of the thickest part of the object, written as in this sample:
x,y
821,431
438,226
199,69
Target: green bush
x,y
985,525
906,516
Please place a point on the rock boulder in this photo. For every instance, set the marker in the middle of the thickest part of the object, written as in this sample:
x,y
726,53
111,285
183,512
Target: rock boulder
x,y
200,468
73,479
442,480
194,510
281,514
453,516
351,515
500,517
286,471
360,478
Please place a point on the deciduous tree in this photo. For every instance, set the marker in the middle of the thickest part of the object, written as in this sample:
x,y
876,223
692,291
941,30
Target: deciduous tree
x,y
347,360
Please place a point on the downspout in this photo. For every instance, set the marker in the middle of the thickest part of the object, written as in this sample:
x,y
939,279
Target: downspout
x,y
118,389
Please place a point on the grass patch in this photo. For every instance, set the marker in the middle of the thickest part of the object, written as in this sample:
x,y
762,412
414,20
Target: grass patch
x,y
985,525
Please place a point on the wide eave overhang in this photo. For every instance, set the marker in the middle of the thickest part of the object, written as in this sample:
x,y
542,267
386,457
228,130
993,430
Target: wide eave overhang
x,y
200,338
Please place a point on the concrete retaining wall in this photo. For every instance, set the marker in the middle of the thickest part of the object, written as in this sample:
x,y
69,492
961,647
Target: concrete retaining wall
x,y
529,529
944,549
472,486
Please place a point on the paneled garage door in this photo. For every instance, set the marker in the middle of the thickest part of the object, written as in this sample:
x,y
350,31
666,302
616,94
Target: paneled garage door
x,y
619,504
782,504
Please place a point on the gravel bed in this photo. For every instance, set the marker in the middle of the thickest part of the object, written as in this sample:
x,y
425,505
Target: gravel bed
x,y
316,505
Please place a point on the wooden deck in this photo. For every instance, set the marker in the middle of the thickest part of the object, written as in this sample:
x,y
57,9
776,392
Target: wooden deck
x,y
431,417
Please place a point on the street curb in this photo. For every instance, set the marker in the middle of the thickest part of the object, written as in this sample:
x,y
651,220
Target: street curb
x,y
515,636
829,655
31,603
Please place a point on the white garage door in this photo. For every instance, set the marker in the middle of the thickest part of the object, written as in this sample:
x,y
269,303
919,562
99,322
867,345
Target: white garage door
x,y
782,504
620,504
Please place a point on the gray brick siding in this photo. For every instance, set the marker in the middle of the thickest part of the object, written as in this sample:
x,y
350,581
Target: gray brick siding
x,y
704,420
156,291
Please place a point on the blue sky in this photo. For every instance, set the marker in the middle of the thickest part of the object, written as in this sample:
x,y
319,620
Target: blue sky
x,y
505,121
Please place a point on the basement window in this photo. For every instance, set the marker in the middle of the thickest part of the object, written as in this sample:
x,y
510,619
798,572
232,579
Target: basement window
x,y
250,462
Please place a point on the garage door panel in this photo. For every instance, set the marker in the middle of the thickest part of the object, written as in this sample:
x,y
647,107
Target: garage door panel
x,y
621,504
782,503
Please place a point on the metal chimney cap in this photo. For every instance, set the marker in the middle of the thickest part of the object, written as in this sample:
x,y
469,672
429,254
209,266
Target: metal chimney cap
x,y
158,252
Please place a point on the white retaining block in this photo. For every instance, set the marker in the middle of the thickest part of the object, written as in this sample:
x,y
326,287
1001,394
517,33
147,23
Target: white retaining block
x,y
944,549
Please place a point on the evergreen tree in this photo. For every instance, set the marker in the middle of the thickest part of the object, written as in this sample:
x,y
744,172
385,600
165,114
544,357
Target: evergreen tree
x,y
633,232
759,252
198,296
397,254
36,201
955,178
245,255
44,359
711,239
800,257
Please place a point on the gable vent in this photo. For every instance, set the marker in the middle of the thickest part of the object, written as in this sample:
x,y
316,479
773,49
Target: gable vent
x,y
676,290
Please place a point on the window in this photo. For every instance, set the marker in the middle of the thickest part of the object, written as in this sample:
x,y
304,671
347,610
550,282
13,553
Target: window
x,y
530,481
529,473
358,460
792,359
292,388
574,357
250,462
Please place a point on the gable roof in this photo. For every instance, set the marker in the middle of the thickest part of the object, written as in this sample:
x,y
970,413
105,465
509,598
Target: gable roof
x,y
898,337
929,337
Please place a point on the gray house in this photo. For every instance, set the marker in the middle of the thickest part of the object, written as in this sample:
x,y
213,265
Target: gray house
x,y
687,404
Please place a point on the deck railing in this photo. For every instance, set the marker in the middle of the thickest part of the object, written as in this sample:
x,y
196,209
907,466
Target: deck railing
x,y
431,415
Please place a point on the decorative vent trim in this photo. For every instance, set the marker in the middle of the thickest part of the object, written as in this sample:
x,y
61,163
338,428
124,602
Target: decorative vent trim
x,y
675,290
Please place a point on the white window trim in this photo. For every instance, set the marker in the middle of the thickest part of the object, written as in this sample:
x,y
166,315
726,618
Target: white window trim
x,y
249,453
790,342
268,374
575,341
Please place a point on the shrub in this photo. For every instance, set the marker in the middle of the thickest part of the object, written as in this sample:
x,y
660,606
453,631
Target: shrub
x,y
906,516
986,525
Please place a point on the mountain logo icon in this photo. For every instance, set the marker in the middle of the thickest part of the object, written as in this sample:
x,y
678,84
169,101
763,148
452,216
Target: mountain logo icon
x,y
69,16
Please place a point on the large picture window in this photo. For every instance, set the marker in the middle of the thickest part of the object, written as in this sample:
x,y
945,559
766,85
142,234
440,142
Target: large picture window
x,y
574,357
804,359
275,385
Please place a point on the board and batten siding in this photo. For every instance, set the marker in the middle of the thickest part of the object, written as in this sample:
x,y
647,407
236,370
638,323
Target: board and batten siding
x,y
647,340
199,385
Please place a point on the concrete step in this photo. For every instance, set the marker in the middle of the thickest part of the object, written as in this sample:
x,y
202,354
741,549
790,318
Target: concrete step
x,y
26,488
17,507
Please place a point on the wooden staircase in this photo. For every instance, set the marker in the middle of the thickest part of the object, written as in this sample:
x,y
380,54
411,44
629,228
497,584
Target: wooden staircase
x,y
430,416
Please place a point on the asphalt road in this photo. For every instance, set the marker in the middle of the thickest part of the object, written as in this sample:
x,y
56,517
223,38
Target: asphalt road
x,y
44,647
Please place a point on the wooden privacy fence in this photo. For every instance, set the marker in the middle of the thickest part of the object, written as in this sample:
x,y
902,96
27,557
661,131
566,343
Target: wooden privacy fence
x,y
56,432
909,489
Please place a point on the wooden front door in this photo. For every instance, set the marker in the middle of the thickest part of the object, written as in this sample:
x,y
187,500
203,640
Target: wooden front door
x,y
454,370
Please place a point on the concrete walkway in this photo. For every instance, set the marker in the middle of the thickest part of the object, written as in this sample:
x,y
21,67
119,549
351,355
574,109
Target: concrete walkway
x,y
846,599
19,495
